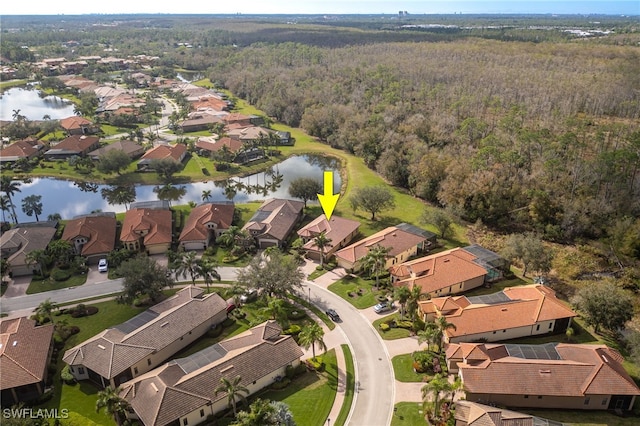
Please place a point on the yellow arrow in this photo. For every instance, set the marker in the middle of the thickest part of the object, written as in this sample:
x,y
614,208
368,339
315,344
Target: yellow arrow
x,y
328,200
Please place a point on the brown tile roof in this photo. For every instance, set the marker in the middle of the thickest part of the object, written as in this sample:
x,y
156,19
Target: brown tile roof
x,y
195,227
130,148
582,370
179,387
156,221
209,102
438,271
24,352
249,133
100,231
25,240
336,229
237,118
526,306
78,143
275,218
213,145
21,149
74,122
116,349
469,413
395,239
174,152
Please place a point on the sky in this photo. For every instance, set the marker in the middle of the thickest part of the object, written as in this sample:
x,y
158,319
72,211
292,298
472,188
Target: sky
x,y
75,7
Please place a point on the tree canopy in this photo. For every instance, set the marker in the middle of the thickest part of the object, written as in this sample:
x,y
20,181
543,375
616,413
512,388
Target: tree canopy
x,y
603,305
275,274
305,188
373,199
142,276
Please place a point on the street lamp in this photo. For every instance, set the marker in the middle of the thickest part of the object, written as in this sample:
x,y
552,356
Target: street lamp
x,y
309,295
328,421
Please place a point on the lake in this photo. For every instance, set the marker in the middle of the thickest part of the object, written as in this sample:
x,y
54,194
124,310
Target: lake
x,y
70,199
32,106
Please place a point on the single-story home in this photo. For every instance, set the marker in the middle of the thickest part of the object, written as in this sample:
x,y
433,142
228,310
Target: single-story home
x,y
76,125
25,353
205,223
469,413
208,145
553,375
28,149
183,391
338,229
147,229
140,344
402,245
452,271
18,242
92,236
75,145
249,134
199,121
522,311
131,148
175,152
274,221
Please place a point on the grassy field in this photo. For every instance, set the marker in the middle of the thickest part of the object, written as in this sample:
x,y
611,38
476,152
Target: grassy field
x,y
349,389
362,293
47,284
403,369
4,85
408,414
392,333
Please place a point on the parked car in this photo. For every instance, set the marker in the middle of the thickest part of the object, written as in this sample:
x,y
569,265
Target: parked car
x,y
103,266
382,307
249,296
333,315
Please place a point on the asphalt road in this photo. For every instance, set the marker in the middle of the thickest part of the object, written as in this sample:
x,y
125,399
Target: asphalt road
x,y
373,402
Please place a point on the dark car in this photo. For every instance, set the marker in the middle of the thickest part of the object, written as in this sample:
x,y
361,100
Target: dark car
x,y
333,315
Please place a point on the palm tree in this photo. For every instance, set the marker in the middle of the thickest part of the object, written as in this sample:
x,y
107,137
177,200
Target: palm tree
x,y
375,260
32,205
431,392
412,301
402,294
310,335
442,326
275,310
427,335
124,195
233,391
39,258
206,195
321,241
54,216
10,187
230,237
46,308
5,206
207,270
187,263
116,406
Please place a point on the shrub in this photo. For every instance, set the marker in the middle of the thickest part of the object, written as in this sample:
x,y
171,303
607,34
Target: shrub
x,y
205,171
384,327
418,325
91,310
381,298
66,376
296,314
315,364
319,268
294,329
60,274
405,324
215,331
290,372
300,369
423,361
281,384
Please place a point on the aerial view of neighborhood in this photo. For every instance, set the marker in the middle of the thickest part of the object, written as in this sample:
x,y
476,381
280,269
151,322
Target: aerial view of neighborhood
x,y
364,218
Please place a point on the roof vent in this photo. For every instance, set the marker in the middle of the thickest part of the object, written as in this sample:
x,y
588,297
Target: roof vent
x,y
446,260
226,369
15,342
154,387
504,309
545,371
101,347
604,358
164,324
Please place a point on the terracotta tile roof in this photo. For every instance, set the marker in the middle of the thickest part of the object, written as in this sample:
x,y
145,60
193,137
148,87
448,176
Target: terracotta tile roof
x,y
159,152
469,413
524,306
237,118
24,352
157,222
100,231
581,370
210,102
336,229
116,349
195,227
213,145
275,218
393,238
21,149
74,122
181,386
249,133
438,271
77,143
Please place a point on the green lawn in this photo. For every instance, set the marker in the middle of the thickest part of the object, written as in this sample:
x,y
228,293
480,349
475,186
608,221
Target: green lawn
x,y
4,85
349,389
325,319
392,333
361,290
403,369
47,284
408,414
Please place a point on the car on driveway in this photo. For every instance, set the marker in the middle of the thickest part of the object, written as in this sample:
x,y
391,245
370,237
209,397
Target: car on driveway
x,y
382,307
333,315
103,266
249,296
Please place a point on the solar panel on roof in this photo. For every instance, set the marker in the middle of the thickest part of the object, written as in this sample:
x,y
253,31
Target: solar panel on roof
x,y
200,359
546,351
489,299
136,322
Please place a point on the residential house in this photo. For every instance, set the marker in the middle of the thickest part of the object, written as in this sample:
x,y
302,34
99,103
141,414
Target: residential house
x,y
92,236
205,223
18,242
469,413
75,145
338,229
131,148
147,229
250,134
176,153
183,391
452,271
522,311
198,122
77,125
239,119
208,145
401,244
25,353
273,222
140,344
27,149
553,375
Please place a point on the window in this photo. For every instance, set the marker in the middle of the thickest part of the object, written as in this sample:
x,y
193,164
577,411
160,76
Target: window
x,y
504,331
604,401
148,361
538,327
81,370
539,396
202,412
550,325
586,401
494,332
185,421
189,332
135,370
526,397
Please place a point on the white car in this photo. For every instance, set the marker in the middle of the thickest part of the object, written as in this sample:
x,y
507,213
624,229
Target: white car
x,y
103,266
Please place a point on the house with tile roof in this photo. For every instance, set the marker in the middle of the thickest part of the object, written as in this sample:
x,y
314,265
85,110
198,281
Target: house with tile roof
x,y
522,311
338,229
451,271
553,375
18,242
25,352
208,145
28,149
182,391
131,148
274,221
76,125
176,152
74,145
205,223
147,229
402,245
92,236
130,349
469,413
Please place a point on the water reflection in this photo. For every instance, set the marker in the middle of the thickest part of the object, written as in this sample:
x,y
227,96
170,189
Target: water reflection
x,y
33,105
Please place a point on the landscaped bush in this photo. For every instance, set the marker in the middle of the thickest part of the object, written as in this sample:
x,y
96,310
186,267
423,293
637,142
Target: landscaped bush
x,y
422,361
215,331
66,376
294,329
290,372
60,274
384,327
315,364
296,314
83,311
405,324
281,384
300,369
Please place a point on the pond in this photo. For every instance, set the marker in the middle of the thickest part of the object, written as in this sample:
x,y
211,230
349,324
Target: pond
x,y
32,105
71,199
